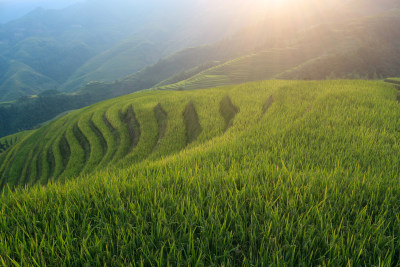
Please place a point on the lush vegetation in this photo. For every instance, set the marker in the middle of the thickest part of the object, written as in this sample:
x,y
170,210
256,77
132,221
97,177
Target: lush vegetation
x,y
30,112
277,172
358,40
21,80
8,141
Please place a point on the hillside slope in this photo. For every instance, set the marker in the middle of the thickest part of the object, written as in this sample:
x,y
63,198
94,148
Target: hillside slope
x,y
261,65
366,47
277,172
24,80
133,128
121,60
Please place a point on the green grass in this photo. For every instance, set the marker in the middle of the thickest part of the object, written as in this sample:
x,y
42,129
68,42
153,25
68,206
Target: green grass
x,y
8,141
121,131
307,174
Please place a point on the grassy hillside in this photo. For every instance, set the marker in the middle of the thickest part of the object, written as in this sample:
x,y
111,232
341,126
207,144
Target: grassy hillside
x,y
21,80
8,141
38,64
257,66
101,135
51,57
26,113
122,60
277,172
186,74
29,112
393,80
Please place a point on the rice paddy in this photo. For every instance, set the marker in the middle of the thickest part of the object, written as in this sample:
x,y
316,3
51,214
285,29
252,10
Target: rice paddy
x,y
263,173
262,65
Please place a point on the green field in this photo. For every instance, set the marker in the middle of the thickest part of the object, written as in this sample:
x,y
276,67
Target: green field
x,y
264,173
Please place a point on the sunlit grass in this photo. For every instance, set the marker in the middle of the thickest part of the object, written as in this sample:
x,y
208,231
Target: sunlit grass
x,y
313,181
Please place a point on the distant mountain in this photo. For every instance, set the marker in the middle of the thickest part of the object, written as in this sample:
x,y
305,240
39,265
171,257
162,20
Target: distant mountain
x,y
121,60
84,42
364,48
11,9
358,46
284,45
25,80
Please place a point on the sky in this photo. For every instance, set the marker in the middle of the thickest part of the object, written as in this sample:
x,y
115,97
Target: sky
x,y
13,9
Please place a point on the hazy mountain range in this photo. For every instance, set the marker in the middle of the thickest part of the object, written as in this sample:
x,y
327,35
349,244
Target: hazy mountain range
x,y
51,49
14,9
98,50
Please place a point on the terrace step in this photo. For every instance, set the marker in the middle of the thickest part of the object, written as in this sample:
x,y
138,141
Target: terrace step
x,y
228,110
162,122
192,124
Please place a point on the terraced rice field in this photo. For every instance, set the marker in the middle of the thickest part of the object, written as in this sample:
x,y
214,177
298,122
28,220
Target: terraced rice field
x,y
122,132
260,66
264,173
133,128
8,141
395,81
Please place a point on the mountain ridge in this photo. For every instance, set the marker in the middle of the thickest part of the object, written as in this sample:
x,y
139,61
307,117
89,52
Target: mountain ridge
x,y
170,26
355,47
